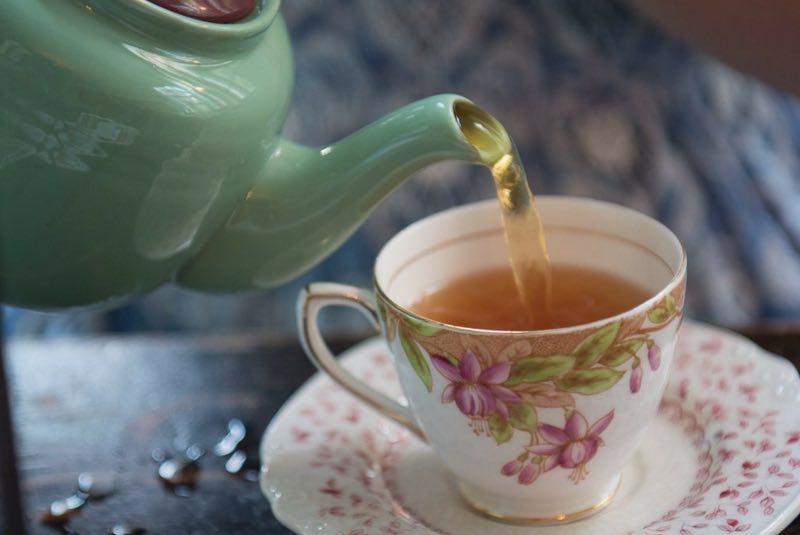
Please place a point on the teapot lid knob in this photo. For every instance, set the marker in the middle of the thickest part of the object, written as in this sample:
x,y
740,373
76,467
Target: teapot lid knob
x,y
210,10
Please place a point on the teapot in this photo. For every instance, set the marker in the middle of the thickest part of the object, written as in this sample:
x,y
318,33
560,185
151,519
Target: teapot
x,y
140,144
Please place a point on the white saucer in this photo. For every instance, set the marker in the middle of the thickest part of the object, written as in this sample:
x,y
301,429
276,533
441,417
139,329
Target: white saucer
x,y
723,456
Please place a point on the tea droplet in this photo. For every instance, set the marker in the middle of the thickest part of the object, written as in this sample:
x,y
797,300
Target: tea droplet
x,y
228,444
194,452
125,529
61,511
182,469
95,487
235,462
182,491
158,455
179,470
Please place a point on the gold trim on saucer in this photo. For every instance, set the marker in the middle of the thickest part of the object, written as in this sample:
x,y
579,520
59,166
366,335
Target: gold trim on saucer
x,y
562,518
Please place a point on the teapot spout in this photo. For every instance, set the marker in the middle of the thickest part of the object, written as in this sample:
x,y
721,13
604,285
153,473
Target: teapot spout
x,y
306,202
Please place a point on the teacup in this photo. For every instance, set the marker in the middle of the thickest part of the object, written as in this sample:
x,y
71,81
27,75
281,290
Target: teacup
x,y
536,426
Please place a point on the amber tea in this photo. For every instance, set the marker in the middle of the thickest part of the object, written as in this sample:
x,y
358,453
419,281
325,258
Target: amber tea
x,y
489,300
527,253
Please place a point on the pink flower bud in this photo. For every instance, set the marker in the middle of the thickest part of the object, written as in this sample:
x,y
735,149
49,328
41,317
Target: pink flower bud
x,y
654,357
529,474
511,467
636,379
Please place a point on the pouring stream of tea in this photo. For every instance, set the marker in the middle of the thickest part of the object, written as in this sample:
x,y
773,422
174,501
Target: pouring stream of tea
x,y
524,233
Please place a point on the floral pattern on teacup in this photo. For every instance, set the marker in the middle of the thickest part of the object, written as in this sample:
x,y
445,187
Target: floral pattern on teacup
x,y
499,382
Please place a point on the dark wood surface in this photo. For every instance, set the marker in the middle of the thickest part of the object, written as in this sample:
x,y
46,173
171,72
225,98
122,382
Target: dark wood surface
x,y
11,517
102,405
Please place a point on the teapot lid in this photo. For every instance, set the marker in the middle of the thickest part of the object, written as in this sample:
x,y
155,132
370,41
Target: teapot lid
x,y
210,10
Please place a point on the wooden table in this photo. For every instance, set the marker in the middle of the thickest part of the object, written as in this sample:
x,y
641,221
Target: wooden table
x,y
101,405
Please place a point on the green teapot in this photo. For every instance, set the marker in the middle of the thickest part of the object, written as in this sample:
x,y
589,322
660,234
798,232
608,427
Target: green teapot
x,y
139,144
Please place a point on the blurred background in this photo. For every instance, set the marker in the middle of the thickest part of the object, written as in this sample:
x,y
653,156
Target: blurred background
x,y
600,102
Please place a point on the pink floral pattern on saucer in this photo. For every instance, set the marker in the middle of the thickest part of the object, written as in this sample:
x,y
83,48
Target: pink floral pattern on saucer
x,y
332,466
749,451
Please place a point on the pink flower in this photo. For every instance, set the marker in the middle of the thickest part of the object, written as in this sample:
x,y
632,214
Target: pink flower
x,y
635,382
529,474
733,526
730,492
573,446
511,468
654,357
477,392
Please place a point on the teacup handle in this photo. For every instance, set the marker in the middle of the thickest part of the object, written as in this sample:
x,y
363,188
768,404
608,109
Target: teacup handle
x,y
313,298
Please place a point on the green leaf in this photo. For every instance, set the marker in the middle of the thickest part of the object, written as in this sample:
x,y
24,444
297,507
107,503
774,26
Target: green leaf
x,y
416,359
622,352
669,304
589,351
657,315
451,359
523,417
420,327
589,382
500,429
536,369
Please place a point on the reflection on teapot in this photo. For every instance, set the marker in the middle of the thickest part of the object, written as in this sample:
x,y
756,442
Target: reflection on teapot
x,y
139,144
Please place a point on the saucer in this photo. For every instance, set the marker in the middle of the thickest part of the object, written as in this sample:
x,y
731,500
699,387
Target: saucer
x,y
722,456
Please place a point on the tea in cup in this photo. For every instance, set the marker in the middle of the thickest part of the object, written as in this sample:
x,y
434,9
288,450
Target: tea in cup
x,y
535,422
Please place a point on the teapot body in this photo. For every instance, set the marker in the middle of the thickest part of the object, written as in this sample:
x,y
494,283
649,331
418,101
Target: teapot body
x,y
126,141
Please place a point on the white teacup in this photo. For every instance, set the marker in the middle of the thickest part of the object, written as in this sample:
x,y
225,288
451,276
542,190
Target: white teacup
x,y
536,426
